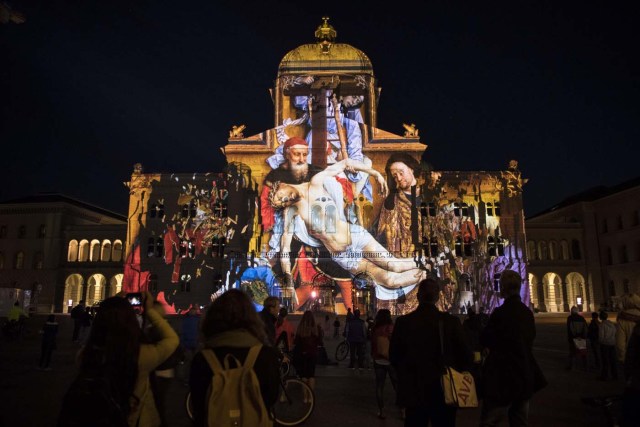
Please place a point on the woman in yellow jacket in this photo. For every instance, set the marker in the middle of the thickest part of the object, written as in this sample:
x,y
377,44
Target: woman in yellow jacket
x,y
114,349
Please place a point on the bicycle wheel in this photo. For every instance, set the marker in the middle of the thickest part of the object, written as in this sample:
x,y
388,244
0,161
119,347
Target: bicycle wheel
x,y
294,404
284,368
188,406
342,351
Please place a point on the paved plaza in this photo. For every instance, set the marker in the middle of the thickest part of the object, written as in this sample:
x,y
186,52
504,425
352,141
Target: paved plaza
x,y
343,398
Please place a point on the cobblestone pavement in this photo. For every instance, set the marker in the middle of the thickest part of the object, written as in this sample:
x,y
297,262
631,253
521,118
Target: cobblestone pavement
x,y
343,398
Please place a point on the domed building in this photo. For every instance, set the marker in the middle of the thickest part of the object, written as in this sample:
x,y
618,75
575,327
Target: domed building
x,y
326,210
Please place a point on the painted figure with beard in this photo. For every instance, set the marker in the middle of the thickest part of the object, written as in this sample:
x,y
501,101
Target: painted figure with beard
x,y
297,170
314,214
400,225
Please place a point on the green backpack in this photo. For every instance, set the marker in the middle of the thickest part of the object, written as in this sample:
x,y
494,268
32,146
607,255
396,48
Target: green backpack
x,y
234,396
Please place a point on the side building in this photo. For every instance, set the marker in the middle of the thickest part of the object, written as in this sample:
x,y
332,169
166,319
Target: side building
x,y
585,251
56,250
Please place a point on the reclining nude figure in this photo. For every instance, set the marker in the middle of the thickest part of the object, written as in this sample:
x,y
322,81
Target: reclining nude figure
x,y
314,214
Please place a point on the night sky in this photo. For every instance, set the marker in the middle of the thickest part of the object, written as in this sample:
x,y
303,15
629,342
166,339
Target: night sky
x,y
89,88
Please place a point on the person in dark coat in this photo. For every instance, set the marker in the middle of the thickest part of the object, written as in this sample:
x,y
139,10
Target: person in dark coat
x,y
49,333
77,313
576,328
415,354
269,316
510,375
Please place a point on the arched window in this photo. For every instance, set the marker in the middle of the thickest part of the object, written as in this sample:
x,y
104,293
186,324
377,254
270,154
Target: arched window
x,y
95,250
575,249
38,261
542,250
330,218
105,254
531,247
19,261
72,252
564,250
553,250
116,255
84,251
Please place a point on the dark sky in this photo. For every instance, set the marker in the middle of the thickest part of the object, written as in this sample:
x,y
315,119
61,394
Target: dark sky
x,y
89,88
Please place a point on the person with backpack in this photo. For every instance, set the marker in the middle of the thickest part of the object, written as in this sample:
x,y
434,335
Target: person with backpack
x,y
112,387
380,340
235,347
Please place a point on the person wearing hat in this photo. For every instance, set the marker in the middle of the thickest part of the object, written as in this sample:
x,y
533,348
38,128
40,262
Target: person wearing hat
x,y
297,170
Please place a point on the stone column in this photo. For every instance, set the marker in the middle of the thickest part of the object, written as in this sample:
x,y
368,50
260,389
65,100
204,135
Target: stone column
x,y
565,298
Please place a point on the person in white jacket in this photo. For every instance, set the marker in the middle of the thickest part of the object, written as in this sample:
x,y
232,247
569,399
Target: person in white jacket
x,y
607,339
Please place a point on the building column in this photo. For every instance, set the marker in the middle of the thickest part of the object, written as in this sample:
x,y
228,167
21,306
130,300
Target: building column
x,y
565,298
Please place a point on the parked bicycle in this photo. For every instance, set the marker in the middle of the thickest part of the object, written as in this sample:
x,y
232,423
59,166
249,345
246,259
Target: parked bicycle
x,y
342,351
607,404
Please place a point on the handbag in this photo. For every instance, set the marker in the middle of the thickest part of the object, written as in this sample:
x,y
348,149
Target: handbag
x,y
459,388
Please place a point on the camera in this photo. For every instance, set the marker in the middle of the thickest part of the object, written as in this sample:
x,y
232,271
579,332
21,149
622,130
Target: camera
x,y
135,299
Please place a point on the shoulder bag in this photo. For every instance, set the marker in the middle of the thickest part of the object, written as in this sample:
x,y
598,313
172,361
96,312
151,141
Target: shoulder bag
x,y
459,387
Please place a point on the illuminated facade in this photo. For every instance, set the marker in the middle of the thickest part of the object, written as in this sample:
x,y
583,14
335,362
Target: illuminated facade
x,y
585,251
326,210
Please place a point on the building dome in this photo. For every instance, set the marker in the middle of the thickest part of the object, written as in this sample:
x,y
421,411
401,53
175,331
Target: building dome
x,y
325,57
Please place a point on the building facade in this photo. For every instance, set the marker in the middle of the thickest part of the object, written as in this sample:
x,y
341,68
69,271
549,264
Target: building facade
x,y
585,251
55,251
325,209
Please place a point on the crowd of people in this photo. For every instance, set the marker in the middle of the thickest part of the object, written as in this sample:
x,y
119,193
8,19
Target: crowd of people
x,y
136,354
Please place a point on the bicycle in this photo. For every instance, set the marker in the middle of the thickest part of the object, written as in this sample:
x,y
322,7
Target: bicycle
x,y
342,351
606,403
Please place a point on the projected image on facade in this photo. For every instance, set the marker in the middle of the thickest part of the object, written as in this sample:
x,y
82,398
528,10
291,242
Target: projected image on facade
x,y
329,212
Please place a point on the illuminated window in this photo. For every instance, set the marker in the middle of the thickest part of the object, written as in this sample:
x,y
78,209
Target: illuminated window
x,y
22,232
83,255
95,251
38,261
316,218
19,261
553,250
105,254
117,251
72,253
330,219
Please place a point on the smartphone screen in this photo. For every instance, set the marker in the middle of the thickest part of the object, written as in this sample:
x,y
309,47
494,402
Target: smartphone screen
x,y
135,299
